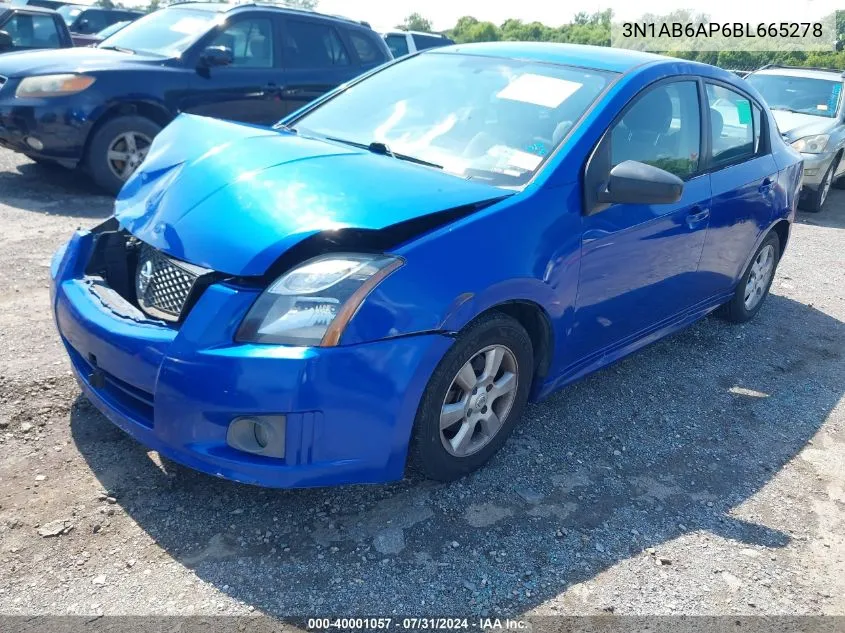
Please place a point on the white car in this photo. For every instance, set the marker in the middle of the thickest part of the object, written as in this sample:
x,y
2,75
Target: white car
x,y
404,42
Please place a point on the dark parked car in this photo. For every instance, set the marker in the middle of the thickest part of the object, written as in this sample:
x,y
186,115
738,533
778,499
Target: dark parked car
x,y
99,36
24,28
100,107
88,20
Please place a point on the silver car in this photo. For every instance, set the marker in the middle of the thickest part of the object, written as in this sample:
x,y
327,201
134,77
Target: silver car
x,y
807,105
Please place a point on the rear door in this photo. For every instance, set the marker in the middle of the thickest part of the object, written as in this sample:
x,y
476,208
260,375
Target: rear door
x,y
316,59
743,176
248,89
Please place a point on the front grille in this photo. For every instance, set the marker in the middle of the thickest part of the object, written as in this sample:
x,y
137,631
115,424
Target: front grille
x,y
163,285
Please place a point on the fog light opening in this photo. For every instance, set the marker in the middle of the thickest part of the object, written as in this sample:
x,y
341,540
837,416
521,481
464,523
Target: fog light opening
x,y
34,143
259,435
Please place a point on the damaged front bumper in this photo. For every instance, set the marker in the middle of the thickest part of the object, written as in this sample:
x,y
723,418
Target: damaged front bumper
x,y
348,410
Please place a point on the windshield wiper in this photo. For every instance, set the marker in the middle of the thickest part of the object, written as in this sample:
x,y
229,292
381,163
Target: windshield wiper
x,y
286,128
119,49
785,109
380,148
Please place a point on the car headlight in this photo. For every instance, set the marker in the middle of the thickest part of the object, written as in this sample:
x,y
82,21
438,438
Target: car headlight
x,y
311,304
811,144
53,85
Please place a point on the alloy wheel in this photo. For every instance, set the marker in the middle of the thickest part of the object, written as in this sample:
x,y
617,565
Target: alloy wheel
x,y
126,152
828,179
758,279
478,401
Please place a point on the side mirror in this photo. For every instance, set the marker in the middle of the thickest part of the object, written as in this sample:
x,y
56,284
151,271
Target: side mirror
x,y
6,42
216,56
82,26
632,182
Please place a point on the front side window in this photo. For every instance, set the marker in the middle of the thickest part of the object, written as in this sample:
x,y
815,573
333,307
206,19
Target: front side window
x,y
69,13
90,22
313,45
804,95
731,125
398,45
167,33
662,128
28,30
251,43
494,120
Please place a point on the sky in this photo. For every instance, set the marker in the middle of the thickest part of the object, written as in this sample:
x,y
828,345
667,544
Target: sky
x,y
444,13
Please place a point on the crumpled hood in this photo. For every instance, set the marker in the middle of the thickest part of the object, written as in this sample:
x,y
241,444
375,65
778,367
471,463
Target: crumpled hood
x,y
795,125
234,197
69,60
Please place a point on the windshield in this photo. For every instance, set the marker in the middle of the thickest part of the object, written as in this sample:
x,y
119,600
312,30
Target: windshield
x,y
69,13
806,95
167,33
484,118
114,28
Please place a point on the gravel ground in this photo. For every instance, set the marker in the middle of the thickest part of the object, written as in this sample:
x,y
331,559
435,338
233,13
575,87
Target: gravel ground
x,y
704,475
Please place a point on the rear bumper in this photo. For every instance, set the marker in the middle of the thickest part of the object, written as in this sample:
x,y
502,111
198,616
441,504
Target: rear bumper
x,y
349,409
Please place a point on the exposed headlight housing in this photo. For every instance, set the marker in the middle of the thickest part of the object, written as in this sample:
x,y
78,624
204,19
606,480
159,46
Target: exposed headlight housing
x,y
53,85
311,304
811,144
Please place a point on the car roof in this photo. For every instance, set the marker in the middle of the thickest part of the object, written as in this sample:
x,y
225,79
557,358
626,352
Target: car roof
x,y
225,7
24,7
812,73
596,57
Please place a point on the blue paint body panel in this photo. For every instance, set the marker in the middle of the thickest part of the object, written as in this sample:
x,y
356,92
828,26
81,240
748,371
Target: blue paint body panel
x,y
236,198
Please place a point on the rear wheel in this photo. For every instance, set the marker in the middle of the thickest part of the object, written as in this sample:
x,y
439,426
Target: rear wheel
x,y
473,399
118,148
753,287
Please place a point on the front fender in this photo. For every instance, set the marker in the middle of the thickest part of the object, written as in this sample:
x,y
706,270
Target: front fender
x,y
524,248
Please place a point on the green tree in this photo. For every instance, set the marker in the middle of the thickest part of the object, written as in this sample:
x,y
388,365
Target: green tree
x,y
416,22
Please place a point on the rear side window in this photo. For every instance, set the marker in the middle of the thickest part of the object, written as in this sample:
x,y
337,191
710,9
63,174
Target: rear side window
x,y
734,125
90,22
428,41
251,43
366,48
662,128
398,45
32,31
313,45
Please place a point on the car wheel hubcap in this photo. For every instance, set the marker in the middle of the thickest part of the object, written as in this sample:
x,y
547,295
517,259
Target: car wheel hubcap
x,y
478,401
759,277
126,152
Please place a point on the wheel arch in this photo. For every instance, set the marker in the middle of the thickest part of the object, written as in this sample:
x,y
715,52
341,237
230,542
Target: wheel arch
x,y
537,322
155,112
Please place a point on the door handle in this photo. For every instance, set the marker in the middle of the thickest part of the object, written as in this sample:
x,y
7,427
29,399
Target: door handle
x,y
697,216
292,92
765,185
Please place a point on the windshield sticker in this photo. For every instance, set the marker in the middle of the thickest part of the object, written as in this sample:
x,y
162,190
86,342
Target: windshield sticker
x,y
743,111
539,90
822,107
834,97
188,26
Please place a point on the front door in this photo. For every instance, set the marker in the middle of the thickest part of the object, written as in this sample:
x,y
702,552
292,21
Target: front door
x,y
638,261
248,89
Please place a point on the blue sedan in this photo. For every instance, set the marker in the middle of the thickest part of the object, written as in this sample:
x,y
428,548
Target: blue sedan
x,y
389,275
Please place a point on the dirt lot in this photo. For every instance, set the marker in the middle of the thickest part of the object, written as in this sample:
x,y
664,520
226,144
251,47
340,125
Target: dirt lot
x,y
705,475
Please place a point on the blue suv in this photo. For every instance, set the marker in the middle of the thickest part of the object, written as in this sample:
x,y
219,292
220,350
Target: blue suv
x,y
100,108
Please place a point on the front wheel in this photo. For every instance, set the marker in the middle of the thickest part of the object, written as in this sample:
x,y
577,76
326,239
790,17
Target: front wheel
x,y
473,399
814,201
118,148
753,287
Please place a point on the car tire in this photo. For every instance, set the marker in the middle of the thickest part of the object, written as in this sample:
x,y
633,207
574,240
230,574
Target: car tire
x,y
739,309
815,200
482,423
129,136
